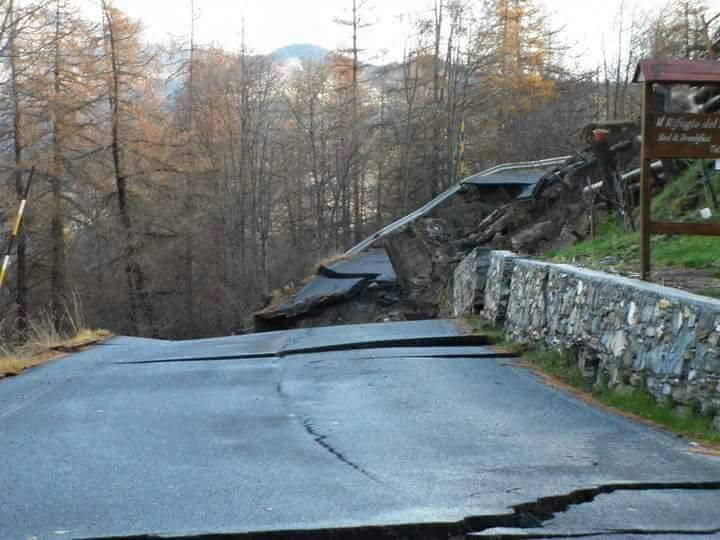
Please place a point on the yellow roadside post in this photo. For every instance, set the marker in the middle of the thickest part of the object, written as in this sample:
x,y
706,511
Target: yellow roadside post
x,y
15,229
461,151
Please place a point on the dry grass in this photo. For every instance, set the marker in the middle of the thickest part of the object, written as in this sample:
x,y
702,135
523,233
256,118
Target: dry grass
x,y
326,262
43,343
45,347
332,259
278,296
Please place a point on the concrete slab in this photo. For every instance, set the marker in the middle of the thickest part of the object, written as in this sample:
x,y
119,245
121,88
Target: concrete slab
x,y
526,180
690,511
372,261
341,281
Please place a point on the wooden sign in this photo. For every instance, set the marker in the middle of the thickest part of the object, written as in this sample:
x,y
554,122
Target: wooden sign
x,y
673,135
682,135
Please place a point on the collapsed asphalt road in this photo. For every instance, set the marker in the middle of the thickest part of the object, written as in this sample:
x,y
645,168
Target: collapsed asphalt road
x,y
311,431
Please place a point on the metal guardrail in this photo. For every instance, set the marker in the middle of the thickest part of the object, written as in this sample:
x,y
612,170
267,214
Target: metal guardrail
x,y
392,227
404,220
522,165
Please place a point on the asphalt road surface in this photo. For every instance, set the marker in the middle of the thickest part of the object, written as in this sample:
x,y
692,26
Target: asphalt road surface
x,y
258,433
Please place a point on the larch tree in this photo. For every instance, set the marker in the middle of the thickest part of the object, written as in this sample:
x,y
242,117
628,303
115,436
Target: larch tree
x,y
71,92
12,53
352,186
127,65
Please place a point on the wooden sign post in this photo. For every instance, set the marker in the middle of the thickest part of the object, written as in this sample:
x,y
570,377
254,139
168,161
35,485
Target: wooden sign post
x,y
673,135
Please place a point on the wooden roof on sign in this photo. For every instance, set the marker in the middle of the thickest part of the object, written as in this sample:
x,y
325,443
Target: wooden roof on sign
x,y
677,71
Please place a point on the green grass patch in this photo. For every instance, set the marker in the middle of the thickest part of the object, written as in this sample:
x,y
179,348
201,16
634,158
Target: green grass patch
x,y
680,200
643,404
494,334
556,364
700,252
679,196
685,194
712,293
610,240
686,251
636,401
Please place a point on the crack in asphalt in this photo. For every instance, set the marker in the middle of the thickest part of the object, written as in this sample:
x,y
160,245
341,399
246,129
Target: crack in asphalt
x,y
601,534
440,341
425,531
527,519
530,515
545,508
439,356
448,356
322,441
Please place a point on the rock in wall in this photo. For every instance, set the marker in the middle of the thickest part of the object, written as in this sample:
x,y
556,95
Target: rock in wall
x,y
410,257
469,283
497,285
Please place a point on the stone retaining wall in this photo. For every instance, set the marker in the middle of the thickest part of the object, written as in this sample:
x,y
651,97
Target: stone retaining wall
x,y
632,332
469,283
497,286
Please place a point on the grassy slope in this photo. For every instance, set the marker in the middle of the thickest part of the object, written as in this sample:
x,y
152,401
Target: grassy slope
x,y
679,201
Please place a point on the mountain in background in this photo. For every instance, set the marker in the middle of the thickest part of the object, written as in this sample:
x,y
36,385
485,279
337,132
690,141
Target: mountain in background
x,y
301,51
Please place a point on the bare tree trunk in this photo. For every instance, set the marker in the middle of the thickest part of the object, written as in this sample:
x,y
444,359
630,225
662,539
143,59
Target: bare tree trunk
x,y
135,278
189,203
57,268
618,60
686,17
606,74
380,161
410,86
21,288
437,144
354,157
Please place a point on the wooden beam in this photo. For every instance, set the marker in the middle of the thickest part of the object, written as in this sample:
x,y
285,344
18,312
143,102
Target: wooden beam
x,y
690,229
645,186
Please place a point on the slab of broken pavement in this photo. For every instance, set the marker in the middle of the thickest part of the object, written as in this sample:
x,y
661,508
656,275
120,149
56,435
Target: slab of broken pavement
x,y
395,430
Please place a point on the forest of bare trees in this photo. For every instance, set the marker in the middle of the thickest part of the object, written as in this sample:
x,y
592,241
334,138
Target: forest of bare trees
x,y
175,188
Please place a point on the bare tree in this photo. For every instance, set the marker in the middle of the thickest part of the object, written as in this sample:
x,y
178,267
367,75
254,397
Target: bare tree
x,y
125,63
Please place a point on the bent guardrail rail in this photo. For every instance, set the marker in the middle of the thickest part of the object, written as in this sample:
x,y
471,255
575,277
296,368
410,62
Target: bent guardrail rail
x,y
395,225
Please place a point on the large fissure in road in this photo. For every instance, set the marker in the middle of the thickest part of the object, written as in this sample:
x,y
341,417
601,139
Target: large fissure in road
x,y
397,343
525,521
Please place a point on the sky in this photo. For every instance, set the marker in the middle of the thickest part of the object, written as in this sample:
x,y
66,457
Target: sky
x,y
271,24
